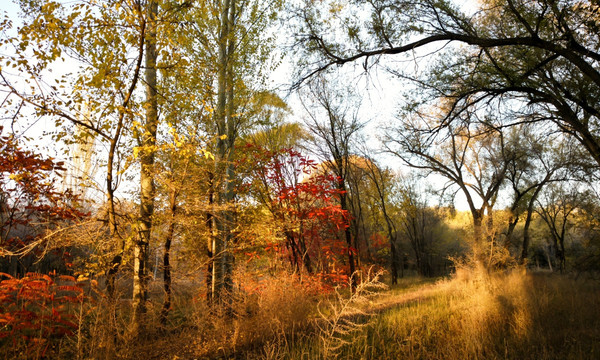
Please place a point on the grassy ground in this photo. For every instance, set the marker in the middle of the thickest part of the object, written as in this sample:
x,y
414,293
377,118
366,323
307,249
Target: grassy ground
x,y
476,316
473,315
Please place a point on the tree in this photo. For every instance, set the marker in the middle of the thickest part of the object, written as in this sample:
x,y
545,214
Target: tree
x,y
104,86
587,239
359,204
231,40
279,136
333,120
147,140
557,207
109,45
470,157
418,224
540,58
301,203
535,162
382,180
181,169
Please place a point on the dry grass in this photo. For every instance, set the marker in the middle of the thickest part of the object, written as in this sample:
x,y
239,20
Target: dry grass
x,y
474,315
481,316
258,323
342,317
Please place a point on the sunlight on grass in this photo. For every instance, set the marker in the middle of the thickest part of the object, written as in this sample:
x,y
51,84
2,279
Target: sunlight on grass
x,y
477,315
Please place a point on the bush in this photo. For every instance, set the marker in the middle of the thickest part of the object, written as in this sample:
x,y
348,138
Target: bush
x,y
38,311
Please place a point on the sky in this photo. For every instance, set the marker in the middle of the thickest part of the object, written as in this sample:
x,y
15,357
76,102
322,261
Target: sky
x,y
380,97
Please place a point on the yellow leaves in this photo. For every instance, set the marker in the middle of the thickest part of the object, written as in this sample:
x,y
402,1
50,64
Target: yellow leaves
x,y
141,150
49,7
178,142
207,154
223,137
336,8
179,145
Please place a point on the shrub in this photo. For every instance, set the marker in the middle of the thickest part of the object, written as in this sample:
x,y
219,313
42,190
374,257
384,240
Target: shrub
x,y
37,312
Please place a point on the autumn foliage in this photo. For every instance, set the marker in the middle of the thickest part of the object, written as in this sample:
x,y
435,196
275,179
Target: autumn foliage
x,y
304,203
37,310
31,202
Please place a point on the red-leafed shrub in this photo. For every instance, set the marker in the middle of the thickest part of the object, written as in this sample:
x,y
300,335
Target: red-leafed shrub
x,y
303,202
33,204
36,311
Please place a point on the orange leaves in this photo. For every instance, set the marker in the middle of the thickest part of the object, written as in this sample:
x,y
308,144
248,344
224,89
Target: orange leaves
x,y
324,282
28,183
272,247
35,308
251,255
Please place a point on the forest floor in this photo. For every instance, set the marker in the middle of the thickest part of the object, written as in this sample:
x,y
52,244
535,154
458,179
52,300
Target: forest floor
x,y
474,315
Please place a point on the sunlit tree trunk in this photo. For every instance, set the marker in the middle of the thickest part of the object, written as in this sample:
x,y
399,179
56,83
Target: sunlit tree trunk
x,y
223,115
147,190
167,279
210,224
229,195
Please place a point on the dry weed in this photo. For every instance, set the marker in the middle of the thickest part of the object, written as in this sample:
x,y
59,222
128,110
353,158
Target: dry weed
x,y
343,316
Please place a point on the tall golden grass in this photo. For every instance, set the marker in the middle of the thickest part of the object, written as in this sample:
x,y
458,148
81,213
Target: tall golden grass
x,y
473,315
477,315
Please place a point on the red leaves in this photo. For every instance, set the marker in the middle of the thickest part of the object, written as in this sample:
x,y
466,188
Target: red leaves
x,y
325,282
35,308
33,204
303,200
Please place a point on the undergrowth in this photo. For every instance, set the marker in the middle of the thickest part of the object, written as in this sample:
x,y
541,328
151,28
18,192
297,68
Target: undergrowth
x,y
479,315
476,314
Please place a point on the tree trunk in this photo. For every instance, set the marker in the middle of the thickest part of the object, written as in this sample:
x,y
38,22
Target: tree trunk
x,y
560,254
394,262
305,255
348,235
561,247
140,261
116,261
526,240
295,256
167,281
512,224
394,256
526,237
357,218
477,233
229,216
547,251
210,224
222,116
